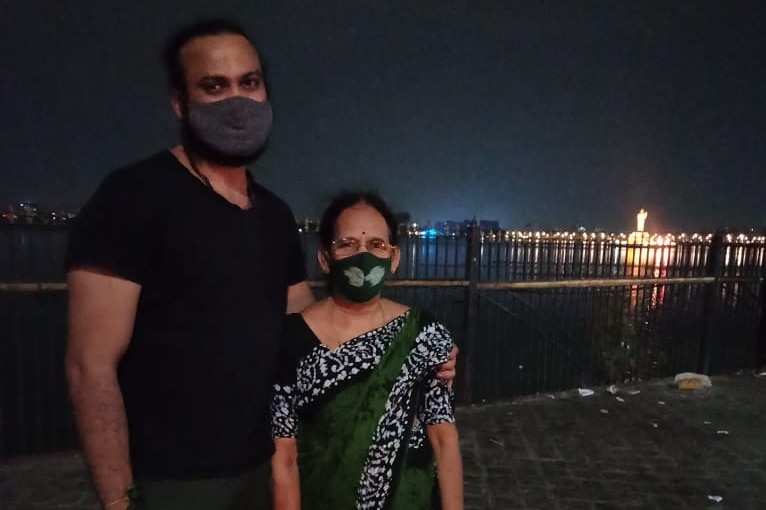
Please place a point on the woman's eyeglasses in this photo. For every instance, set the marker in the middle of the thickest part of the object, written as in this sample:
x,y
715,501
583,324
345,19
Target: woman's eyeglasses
x,y
347,246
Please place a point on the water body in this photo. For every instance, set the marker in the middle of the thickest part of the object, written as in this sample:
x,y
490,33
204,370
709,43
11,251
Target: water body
x,y
30,253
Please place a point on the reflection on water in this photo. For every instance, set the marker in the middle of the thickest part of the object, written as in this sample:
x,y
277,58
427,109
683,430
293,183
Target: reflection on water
x,y
31,253
535,260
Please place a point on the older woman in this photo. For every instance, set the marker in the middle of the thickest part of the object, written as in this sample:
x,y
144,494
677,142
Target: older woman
x,y
357,397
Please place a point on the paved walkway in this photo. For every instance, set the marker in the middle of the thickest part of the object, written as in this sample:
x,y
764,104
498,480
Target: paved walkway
x,y
650,446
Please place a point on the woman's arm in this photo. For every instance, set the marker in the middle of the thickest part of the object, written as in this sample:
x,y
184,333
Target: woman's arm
x,y
449,465
284,471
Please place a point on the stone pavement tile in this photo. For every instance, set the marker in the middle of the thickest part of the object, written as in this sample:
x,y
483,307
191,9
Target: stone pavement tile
x,y
508,503
553,454
569,488
575,504
596,489
57,481
576,455
673,501
473,503
535,497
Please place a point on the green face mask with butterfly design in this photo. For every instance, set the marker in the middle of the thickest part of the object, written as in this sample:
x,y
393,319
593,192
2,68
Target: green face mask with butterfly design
x,y
360,277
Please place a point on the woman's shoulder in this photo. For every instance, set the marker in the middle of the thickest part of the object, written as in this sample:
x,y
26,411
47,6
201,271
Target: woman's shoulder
x,y
424,317
432,328
315,316
315,310
393,309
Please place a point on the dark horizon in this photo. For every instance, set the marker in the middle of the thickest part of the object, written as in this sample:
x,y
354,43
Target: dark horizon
x,y
551,114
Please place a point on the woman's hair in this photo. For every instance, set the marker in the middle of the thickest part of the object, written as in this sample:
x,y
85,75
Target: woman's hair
x,y
348,199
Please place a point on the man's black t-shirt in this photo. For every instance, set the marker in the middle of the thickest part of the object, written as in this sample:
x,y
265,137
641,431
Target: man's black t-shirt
x,y
197,374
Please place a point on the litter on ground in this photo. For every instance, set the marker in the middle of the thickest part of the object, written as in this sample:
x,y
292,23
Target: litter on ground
x,y
691,381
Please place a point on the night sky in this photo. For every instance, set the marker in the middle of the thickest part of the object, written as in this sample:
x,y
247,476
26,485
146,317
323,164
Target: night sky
x,y
550,114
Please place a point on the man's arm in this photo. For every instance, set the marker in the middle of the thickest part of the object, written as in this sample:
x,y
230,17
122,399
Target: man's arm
x,y
102,310
299,296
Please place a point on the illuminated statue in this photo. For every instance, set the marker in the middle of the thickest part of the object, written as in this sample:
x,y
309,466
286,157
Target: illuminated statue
x,y
640,220
640,236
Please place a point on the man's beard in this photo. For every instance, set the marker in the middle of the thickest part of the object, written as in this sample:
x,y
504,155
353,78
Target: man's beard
x,y
195,146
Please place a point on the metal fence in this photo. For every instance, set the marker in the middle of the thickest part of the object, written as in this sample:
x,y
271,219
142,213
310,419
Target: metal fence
x,y
530,316
35,415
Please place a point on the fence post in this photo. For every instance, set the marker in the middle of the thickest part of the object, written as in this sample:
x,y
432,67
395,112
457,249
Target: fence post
x,y
710,303
472,261
760,355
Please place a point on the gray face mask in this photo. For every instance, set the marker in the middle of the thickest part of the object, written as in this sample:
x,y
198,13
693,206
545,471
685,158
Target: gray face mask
x,y
235,127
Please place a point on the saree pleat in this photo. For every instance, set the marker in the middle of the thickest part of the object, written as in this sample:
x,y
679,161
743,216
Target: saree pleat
x,y
337,431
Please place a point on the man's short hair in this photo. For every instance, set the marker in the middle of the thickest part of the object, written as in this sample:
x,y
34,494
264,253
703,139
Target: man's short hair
x,y
171,55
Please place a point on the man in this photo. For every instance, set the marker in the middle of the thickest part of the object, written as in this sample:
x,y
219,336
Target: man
x,y
181,268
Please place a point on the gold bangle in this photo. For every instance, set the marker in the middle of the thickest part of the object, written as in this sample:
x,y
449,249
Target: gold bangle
x,y
131,494
117,501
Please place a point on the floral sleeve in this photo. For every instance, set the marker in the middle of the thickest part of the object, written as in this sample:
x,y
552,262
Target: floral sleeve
x,y
439,403
439,399
284,417
284,420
